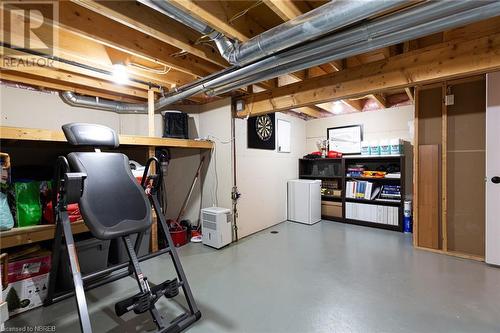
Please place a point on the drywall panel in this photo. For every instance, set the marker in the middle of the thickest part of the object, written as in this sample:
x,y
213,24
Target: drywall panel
x,y
492,169
429,196
466,165
390,123
215,124
262,177
35,109
430,107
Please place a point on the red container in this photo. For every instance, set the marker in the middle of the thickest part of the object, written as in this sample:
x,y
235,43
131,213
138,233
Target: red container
x,y
179,237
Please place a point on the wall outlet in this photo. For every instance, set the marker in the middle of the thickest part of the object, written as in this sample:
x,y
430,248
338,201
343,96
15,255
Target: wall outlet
x,y
449,100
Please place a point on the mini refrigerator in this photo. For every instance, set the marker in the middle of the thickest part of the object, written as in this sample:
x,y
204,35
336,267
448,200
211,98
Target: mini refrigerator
x,y
304,201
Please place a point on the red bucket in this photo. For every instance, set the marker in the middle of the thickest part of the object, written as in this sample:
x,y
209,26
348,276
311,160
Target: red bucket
x,y
179,236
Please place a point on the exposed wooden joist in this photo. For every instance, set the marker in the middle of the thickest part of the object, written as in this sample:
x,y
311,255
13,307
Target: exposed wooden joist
x,y
411,95
74,47
432,64
72,78
43,82
99,28
285,9
310,111
356,104
154,24
55,65
211,17
380,100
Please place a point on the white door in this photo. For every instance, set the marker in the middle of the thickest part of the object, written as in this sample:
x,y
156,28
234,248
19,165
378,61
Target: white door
x,y
493,168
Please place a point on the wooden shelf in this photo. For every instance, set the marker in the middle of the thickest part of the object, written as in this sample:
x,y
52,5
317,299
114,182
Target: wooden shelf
x,y
32,134
375,202
320,177
34,234
351,157
375,225
331,198
372,179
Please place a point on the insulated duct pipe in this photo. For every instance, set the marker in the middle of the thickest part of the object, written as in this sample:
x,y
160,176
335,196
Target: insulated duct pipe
x,y
291,61
97,103
418,22
331,16
223,43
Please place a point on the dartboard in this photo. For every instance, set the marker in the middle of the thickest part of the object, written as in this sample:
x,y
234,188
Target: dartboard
x,y
264,127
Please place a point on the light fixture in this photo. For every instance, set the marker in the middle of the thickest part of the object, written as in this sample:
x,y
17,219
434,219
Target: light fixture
x,y
337,107
120,74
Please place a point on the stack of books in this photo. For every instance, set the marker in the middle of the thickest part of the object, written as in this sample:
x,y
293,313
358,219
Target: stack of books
x,y
361,190
390,193
355,171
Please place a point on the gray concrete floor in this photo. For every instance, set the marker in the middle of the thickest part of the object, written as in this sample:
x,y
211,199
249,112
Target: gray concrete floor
x,y
328,277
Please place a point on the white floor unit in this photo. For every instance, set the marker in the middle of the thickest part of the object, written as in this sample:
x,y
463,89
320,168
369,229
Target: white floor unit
x,y
216,226
304,201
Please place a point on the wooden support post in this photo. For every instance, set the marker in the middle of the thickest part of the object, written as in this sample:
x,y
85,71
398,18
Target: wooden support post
x,y
415,168
151,112
151,153
444,167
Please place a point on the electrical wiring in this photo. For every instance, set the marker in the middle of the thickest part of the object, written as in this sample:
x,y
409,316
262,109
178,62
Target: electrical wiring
x,y
215,189
163,71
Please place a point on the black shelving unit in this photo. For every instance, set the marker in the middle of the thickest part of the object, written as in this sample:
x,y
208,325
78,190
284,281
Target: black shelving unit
x,y
330,170
331,174
374,163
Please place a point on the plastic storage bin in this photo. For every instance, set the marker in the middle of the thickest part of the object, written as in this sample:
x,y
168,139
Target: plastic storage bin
x,y
396,146
385,147
118,253
92,256
374,148
365,148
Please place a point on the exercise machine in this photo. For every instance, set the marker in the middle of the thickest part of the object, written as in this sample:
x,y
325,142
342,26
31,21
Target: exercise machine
x,y
114,206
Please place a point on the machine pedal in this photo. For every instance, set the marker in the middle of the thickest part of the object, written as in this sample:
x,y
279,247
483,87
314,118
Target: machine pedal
x,y
140,303
171,288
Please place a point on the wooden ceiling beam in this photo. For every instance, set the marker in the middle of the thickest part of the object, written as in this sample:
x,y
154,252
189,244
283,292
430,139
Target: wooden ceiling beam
x,y
74,47
45,83
380,100
19,57
411,95
310,111
356,104
75,79
155,24
432,64
285,9
209,12
99,28
288,10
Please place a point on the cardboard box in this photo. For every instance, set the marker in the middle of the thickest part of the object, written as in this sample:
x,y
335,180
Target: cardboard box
x,y
28,283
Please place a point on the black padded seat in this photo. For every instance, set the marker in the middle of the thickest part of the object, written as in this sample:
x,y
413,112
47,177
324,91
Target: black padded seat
x,y
113,203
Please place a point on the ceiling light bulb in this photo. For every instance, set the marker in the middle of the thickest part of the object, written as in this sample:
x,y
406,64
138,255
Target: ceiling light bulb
x,y
337,107
120,74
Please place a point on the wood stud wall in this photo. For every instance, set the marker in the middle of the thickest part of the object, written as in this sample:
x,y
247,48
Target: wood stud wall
x,y
449,165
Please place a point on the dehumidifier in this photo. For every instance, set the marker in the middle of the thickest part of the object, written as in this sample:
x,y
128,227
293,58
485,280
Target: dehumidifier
x,y
216,225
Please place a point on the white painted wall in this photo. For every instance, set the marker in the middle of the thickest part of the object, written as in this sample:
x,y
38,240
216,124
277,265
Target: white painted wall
x,y
215,124
390,123
492,168
34,109
262,177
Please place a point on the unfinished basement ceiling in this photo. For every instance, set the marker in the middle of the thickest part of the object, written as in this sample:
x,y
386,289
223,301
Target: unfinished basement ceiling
x,y
161,51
